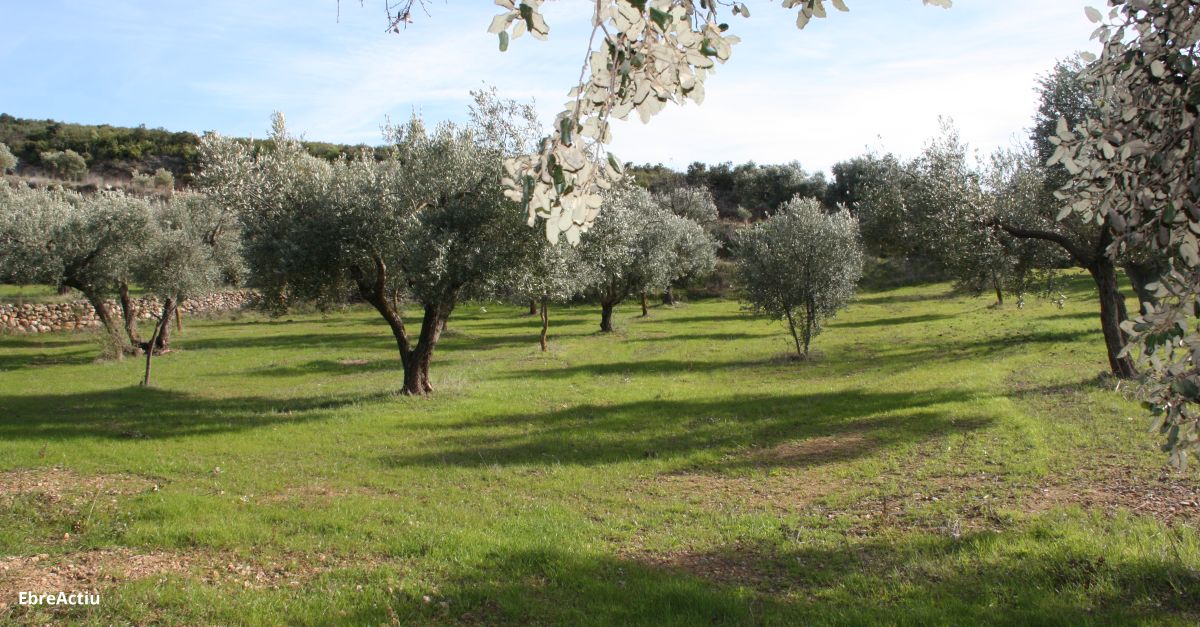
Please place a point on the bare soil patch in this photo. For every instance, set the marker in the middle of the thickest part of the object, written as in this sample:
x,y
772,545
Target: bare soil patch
x,y
57,483
1169,498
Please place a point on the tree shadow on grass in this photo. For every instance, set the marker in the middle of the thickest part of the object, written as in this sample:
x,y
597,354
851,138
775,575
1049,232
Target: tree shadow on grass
x,y
136,412
923,580
667,428
18,351
291,341
887,298
885,322
714,337
887,358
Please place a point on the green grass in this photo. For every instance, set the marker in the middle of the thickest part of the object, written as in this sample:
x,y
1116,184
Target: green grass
x,y
937,462
20,294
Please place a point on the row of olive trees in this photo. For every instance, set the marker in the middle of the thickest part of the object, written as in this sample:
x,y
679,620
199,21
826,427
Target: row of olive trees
x,y
428,223
100,244
995,225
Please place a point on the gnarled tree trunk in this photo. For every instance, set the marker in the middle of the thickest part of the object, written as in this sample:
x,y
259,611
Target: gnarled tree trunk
x,y
161,325
668,296
645,306
606,311
533,307
105,317
415,358
162,343
130,316
1141,275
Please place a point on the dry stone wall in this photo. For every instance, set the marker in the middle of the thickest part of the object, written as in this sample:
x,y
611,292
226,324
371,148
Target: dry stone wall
x,y
52,317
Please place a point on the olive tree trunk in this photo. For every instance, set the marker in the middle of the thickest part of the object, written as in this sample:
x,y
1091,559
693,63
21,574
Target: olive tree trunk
x,y
414,358
668,296
130,316
606,312
1112,314
161,324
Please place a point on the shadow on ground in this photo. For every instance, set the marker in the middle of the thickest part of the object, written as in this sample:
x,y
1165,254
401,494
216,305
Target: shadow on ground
x,y
669,428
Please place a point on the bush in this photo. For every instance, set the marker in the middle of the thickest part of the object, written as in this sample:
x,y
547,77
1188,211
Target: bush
x,y
161,181
8,161
67,164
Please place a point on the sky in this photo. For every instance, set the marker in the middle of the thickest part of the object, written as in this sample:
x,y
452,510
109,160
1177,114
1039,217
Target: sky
x,y
876,78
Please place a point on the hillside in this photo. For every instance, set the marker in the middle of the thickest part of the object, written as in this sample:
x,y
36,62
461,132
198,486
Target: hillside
x,y
114,152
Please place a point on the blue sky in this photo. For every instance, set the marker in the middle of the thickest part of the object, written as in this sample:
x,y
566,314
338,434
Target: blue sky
x,y
876,77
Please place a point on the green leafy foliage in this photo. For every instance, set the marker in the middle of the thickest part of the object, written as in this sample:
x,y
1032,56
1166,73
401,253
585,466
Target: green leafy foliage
x,y
1133,166
801,265
8,161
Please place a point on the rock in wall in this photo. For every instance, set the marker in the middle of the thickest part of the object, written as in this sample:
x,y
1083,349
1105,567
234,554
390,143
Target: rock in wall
x,y
51,317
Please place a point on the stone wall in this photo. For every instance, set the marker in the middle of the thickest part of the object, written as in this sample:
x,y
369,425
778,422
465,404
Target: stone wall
x,y
50,317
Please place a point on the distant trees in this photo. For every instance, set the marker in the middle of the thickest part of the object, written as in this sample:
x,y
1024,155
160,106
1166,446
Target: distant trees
x,y
1000,223
67,164
162,182
8,161
189,253
939,209
756,189
800,265
552,273
697,248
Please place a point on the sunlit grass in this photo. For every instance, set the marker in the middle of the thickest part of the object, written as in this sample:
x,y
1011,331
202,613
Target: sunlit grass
x,y
923,468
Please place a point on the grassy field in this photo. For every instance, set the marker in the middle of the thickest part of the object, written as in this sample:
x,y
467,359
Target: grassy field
x,y
937,462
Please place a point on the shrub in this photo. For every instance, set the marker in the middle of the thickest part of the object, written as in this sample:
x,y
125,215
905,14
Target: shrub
x,y
8,161
67,164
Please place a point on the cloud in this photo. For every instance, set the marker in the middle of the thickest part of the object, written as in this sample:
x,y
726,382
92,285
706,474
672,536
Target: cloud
x,y
880,75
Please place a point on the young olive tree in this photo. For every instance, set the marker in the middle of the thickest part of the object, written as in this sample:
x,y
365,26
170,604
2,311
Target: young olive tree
x,y
427,222
87,243
182,259
549,274
67,164
1134,169
800,265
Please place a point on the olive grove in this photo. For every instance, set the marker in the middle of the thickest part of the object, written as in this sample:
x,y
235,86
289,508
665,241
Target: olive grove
x,y
88,243
641,55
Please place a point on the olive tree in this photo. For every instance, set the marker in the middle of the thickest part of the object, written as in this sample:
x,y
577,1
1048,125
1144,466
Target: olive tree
x,y
428,222
183,258
639,249
87,243
1134,168
550,273
697,247
800,265
65,163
